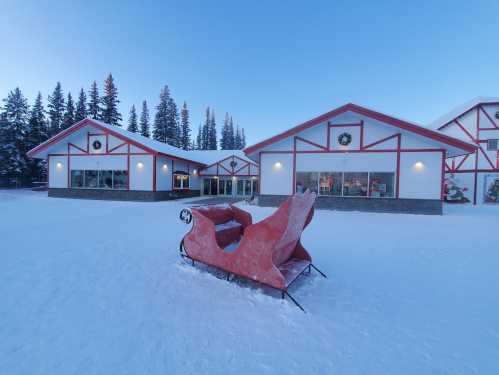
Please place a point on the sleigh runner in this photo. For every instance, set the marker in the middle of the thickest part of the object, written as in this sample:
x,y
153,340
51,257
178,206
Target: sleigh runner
x,y
268,252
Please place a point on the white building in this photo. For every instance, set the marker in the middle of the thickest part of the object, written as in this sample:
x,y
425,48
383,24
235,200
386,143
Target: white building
x,y
92,159
474,176
356,158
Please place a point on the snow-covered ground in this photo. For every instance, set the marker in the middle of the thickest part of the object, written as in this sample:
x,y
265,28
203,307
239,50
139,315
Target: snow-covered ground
x,y
91,287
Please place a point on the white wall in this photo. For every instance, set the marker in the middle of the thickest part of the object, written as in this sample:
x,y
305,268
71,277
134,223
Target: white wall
x,y
276,181
422,183
141,177
163,174
343,162
58,173
103,162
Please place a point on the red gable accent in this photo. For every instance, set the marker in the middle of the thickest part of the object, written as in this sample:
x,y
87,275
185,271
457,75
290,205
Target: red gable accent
x,y
88,121
368,113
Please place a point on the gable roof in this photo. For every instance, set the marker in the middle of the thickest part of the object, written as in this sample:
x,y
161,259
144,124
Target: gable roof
x,y
201,157
402,124
460,110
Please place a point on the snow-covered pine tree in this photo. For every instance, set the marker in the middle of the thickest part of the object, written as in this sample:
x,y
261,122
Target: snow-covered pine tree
x,y
132,121
13,148
230,134
224,140
205,132
237,139
69,114
199,139
56,110
37,133
81,106
161,118
110,101
243,139
144,121
94,108
172,125
212,135
185,128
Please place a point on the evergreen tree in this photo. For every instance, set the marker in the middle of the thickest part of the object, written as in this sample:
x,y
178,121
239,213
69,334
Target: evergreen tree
x,y
237,139
81,106
37,133
205,131
231,135
56,110
243,139
132,121
69,115
185,131
172,124
144,121
212,135
13,130
161,118
110,114
94,109
227,140
199,139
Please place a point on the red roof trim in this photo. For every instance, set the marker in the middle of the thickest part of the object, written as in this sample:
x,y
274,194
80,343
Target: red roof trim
x,y
369,113
88,121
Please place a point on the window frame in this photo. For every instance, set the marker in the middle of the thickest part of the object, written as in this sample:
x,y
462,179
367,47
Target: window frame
x,y
183,177
98,179
341,195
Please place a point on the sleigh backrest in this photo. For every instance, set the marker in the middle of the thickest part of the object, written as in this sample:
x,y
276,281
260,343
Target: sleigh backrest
x,y
293,215
217,214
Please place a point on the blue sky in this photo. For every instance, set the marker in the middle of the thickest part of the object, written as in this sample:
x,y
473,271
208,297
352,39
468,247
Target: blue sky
x,y
270,64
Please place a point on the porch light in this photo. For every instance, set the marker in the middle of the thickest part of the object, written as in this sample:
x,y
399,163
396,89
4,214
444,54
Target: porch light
x,y
277,165
58,165
165,167
140,165
194,172
419,166
233,178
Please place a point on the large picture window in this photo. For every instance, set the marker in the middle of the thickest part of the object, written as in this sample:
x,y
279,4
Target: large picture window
x,y
91,179
347,184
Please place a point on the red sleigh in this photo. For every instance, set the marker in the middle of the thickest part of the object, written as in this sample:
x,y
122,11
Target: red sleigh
x,y
268,252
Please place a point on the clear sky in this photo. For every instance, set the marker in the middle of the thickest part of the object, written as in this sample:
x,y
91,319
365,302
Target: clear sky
x,y
271,64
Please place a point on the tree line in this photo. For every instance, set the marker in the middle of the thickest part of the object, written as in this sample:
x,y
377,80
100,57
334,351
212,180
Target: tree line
x,y
23,127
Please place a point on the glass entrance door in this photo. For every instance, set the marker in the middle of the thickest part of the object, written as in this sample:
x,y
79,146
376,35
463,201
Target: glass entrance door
x,y
244,187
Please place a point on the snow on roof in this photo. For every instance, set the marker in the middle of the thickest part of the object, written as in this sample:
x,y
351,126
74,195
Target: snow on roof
x,y
153,144
199,156
459,110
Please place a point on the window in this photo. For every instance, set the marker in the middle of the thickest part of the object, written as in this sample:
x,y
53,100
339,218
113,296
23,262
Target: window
x,y
255,185
306,180
221,187
492,144
355,184
77,179
347,184
91,180
99,179
330,183
181,181
120,179
381,184
106,179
